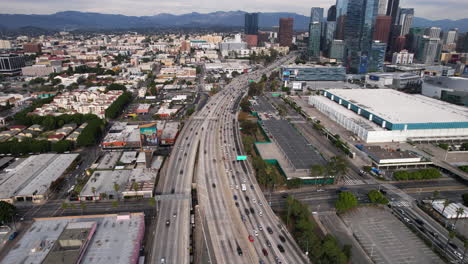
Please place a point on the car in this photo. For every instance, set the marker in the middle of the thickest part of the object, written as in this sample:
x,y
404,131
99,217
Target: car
x,y
260,213
214,185
254,200
282,238
247,212
251,186
255,232
235,197
265,252
168,222
453,245
181,171
458,254
237,204
247,198
268,243
174,215
407,220
239,251
270,230
320,190
281,249
13,235
260,228
419,221
163,260
251,238
243,218
237,187
252,210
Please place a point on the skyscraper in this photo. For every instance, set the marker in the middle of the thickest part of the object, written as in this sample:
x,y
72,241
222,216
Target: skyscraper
x,y
450,36
433,32
251,24
392,9
358,31
341,10
377,56
314,40
337,49
382,9
430,50
315,32
285,34
331,14
405,19
382,28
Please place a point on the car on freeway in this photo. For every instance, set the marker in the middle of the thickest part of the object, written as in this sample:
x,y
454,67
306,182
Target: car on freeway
x,y
251,238
254,200
214,185
260,228
163,260
255,232
239,251
168,222
13,235
281,249
268,243
270,230
247,198
260,213
247,212
282,238
174,215
252,210
237,204
265,252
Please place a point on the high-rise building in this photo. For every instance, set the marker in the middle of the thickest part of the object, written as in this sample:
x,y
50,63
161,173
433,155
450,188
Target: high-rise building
x,y
314,40
341,10
382,10
430,49
285,34
405,20
337,49
449,37
251,24
433,32
377,56
414,38
382,28
462,43
11,64
331,14
392,9
329,35
358,31
315,32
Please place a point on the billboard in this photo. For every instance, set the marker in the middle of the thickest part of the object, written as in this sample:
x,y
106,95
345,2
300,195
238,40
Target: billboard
x,y
148,135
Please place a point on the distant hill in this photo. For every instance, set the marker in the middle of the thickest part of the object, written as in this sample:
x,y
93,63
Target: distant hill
x,y
81,20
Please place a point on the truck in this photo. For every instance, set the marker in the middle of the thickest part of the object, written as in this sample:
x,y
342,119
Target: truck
x,y
243,187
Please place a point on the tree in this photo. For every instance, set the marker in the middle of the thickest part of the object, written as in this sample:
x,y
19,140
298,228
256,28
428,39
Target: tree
x,y
116,86
435,195
64,205
459,212
245,104
465,199
377,197
115,204
249,127
346,201
116,189
93,190
62,146
294,183
7,212
465,246
337,167
446,203
282,109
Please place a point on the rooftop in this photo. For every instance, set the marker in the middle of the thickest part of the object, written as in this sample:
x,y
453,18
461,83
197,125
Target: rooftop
x,y
117,239
398,107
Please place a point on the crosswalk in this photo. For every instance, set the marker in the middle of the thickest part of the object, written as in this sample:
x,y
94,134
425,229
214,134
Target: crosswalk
x,y
401,203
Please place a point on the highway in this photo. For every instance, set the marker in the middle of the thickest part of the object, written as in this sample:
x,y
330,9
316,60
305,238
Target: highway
x,y
233,214
204,152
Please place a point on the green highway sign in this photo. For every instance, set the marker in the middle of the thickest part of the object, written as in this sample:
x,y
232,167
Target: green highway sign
x,y
241,157
275,94
251,81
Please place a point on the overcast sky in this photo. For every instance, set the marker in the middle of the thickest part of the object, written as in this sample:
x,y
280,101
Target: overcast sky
x,y
431,9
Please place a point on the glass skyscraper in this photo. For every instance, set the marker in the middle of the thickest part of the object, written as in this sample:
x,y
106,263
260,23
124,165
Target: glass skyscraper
x,y
251,24
358,31
377,57
315,32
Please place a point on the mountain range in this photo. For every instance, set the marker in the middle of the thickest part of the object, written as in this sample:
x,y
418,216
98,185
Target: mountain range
x,y
72,20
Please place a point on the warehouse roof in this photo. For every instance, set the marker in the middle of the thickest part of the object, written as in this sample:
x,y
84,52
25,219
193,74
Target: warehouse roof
x,y
398,107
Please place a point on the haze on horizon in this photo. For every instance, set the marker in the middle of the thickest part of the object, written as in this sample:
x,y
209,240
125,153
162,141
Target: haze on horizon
x,y
430,9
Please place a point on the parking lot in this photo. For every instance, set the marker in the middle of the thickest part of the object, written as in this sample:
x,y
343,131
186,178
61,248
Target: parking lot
x,y
386,239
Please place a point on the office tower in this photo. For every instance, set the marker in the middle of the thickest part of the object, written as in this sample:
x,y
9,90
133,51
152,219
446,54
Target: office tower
x,y
11,64
382,28
377,56
358,30
449,37
337,49
251,24
382,9
430,50
413,39
462,43
285,34
392,9
405,20
341,10
330,28
32,48
331,14
316,14
433,32
315,32
314,40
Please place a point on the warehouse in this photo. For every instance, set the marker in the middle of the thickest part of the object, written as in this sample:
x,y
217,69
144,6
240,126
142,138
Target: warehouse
x,y
31,179
386,115
107,238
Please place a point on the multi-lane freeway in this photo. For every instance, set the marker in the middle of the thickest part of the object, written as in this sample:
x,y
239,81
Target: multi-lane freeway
x,y
240,226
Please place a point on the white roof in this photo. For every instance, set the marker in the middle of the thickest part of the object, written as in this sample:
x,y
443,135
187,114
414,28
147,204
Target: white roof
x,y
103,182
398,107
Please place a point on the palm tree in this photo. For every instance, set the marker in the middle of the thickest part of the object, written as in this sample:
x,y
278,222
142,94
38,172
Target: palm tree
x,y
93,190
459,211
116,189
446,203
135,187
435,195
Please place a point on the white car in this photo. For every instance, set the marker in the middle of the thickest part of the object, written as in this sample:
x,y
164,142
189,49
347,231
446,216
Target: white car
x,y
260,213
253,200
237,187
255,232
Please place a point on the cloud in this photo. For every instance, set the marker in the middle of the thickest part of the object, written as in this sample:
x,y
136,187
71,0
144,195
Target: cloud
x,y
432,9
